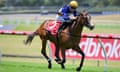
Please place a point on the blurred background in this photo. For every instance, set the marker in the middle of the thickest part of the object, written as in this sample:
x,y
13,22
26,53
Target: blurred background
x,y
27,15
52,6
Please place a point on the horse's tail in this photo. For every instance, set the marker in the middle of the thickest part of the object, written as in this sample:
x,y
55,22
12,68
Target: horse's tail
x,y
30,38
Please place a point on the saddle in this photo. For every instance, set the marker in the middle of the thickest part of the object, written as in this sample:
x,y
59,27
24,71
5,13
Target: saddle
x,y
53,26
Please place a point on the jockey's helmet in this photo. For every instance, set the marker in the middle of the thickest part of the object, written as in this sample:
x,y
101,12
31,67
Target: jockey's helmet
x,y
73,4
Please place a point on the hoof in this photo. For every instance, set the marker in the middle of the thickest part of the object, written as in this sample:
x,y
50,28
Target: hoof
x,y
49,66
58,61
78,69
62,66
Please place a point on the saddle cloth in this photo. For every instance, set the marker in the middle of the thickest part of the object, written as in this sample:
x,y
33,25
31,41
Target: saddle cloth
x,y
53,26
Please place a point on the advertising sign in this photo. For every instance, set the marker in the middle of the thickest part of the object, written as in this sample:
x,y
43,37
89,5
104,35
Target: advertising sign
x,y
92,49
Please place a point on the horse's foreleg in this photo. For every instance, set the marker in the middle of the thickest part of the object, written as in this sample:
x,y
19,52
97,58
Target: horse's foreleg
x,y
78,49
64,58
43,51
57,59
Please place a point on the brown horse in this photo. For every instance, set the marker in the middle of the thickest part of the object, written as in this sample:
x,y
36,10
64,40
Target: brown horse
x,y
69,38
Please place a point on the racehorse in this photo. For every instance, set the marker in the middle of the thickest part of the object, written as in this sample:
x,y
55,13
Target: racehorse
x,y
69,38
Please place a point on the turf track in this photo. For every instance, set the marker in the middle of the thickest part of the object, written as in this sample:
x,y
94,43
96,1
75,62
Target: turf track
x,y
41,67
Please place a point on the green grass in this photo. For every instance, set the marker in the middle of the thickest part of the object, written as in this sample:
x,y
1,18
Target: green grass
x,y
14,45
23,27
9,66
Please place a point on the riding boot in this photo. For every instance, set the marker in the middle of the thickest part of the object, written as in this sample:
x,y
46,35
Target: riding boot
x,y
62,27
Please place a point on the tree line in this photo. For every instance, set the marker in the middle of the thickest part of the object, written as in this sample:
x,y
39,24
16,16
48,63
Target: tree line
x,y
4,3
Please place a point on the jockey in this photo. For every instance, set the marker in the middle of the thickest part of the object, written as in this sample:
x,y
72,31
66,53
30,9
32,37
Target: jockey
x,y
64,16
64,13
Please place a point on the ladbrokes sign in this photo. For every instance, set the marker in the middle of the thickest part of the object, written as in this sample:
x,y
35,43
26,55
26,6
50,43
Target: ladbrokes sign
x,y
92,49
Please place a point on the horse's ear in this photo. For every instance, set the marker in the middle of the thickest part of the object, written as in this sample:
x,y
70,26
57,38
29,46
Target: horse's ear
x,y
84,11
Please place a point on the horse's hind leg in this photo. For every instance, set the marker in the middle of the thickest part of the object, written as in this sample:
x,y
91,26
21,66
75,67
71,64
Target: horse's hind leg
x,y
78,49
43,51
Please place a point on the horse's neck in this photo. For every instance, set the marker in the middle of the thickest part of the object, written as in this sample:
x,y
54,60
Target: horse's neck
x,y
77,29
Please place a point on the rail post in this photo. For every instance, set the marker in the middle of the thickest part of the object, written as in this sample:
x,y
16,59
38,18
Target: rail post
x,y
106,60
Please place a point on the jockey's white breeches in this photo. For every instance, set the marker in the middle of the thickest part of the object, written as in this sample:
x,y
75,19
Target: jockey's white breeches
x,y
60,18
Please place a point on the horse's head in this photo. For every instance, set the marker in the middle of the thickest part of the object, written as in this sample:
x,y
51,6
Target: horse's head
x,y
85,19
